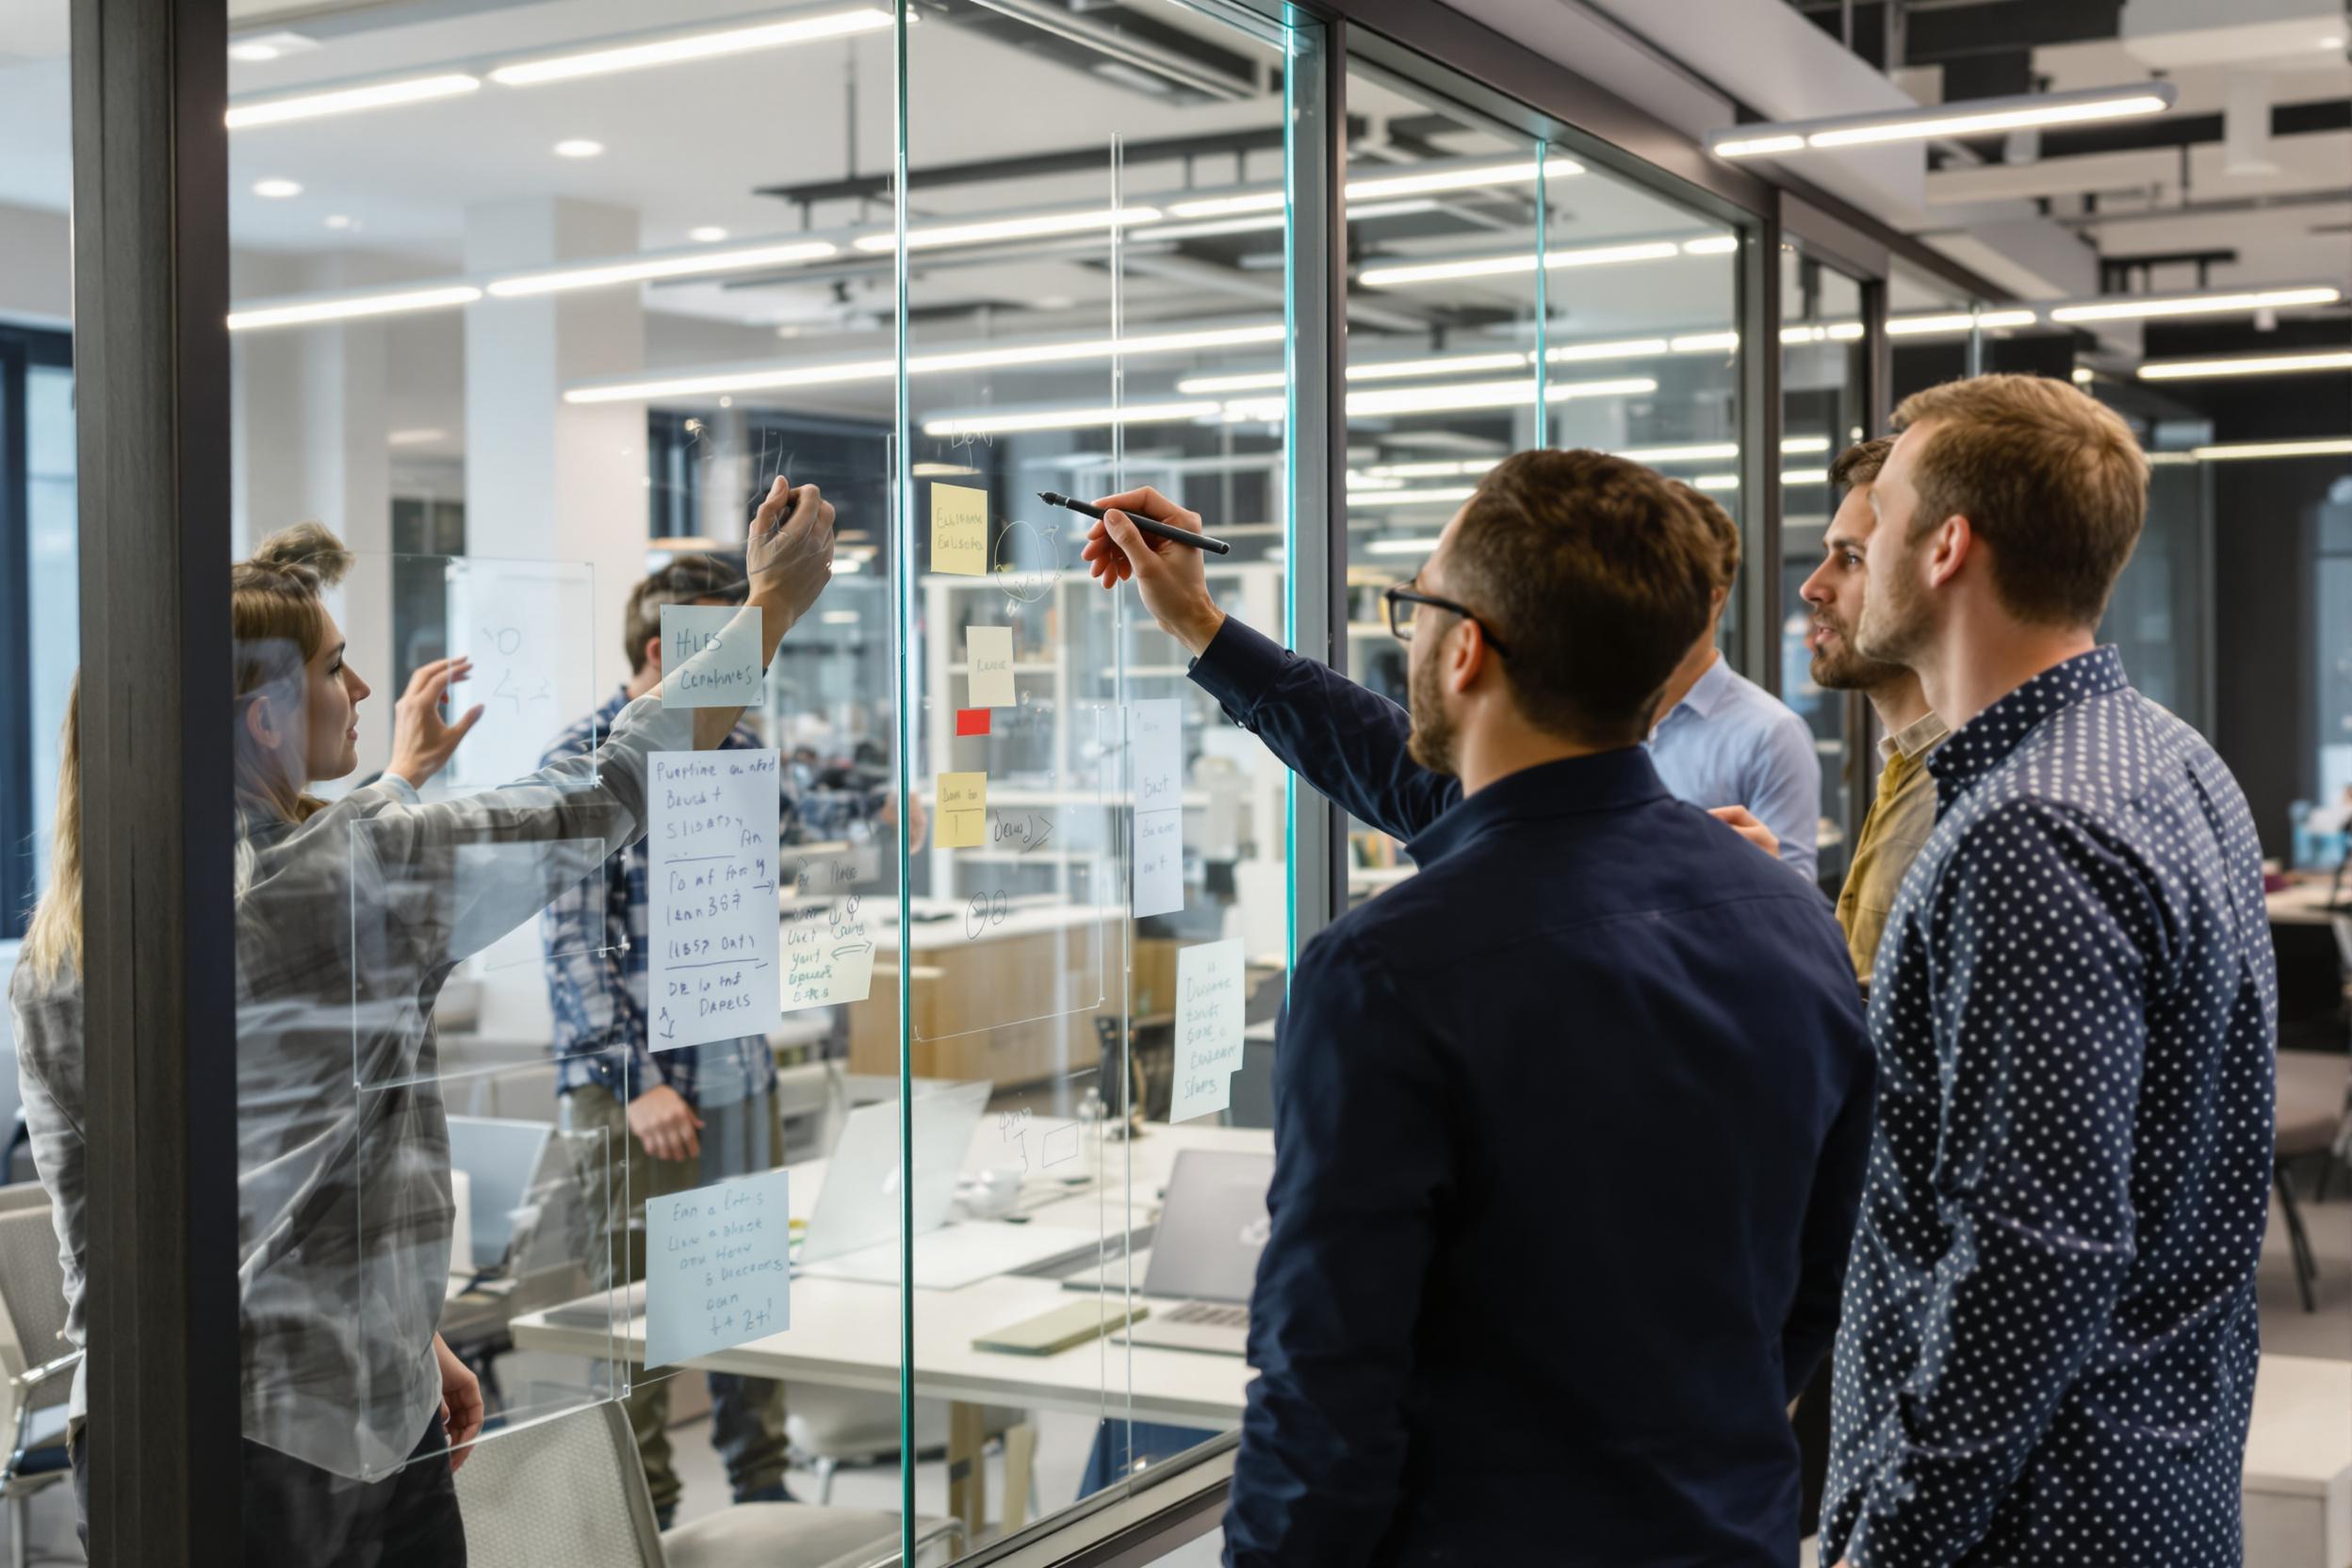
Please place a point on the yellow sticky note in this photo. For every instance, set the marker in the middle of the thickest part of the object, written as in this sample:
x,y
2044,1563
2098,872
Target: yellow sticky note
x,y
959,529
963,809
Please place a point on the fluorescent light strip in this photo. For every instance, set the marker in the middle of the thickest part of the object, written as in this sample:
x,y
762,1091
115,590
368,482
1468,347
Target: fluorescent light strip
x,y
1065,418
1979,116
1486,394
1830,332
1378,370
1631,348
990,230
1921,326
349,100
917,364
351,306
1430,497
1706,343
1713,245
692,46
1487,267
1373,189
2194,304
1401,547
2261,364
1433,471
686,265
1716,482
2331,446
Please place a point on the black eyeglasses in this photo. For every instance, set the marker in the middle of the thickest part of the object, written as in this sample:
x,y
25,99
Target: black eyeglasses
x,y
1401,600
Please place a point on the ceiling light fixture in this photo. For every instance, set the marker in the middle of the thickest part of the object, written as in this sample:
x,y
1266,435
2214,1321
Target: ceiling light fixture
x,y
2340,446
1402,547
1713,245
988,231
339,220
1827,332
1487,393
349,307
579,147
709,234
1379,188
276,191
682,265
2149,307
691,46
349,100
255,52
1975,117
1706,343
1065,418
2260,365
414,438
1487,267
1925,326
1631,348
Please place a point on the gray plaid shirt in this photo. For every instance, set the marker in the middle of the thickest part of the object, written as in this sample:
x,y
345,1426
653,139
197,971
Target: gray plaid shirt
x,y
348,924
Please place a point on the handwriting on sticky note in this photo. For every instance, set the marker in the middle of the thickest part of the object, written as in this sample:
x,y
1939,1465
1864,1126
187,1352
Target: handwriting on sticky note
x,y
963,809
1157,835
828,947
718,1267
960,530
712,863
990,648
1209,1020
710,656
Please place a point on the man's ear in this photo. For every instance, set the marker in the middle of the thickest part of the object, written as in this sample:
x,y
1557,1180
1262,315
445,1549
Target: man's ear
x,y
1954,544
653,653
1467,652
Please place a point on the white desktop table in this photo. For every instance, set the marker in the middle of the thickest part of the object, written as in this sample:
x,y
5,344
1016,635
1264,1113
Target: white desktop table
x,y
845,1333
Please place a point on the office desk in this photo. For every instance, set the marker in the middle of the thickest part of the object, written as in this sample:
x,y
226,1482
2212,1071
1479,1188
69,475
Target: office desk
x,y
2311,970
2305,903
845,1333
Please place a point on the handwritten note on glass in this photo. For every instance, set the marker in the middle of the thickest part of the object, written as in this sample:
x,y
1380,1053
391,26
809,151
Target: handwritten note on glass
x,y
1209,1016
963,809
718,1267
990,648
960,530
529,627
710,656
828,948
1158,846
712,869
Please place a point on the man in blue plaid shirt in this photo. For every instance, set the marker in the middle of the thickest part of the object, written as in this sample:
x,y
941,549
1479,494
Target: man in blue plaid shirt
x,y
689,1116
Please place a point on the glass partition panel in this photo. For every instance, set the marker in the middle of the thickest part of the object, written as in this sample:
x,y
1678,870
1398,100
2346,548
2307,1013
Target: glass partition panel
x,y
1822,382
1096,924
548,1013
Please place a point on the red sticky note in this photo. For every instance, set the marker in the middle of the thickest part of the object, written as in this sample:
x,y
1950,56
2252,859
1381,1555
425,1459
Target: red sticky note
x,y
971,721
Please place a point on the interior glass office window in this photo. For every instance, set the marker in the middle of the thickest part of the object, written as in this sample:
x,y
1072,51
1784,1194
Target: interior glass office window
x,y
1445,213
41,963
1098,923
552,1027
1823,379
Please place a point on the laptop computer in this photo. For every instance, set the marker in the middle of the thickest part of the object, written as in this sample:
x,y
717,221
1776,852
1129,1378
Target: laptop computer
x,y
853,1229
1205,1254
502,1161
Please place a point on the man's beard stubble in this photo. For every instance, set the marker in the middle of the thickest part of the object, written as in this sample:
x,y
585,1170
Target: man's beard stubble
x,y
1431,744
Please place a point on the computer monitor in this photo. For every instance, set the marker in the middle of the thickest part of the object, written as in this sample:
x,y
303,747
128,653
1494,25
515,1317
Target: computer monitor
x,y
501,1161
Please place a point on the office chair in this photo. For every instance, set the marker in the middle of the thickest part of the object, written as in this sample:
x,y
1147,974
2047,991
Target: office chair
x,y
39,1367
568,1492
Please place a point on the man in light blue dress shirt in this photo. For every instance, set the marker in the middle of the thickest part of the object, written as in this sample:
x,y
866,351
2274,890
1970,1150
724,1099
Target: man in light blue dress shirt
x,y
1721,740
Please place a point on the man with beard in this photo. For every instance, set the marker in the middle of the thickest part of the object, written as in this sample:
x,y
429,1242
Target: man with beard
x,y
1568,1127
2049,1343
1902,812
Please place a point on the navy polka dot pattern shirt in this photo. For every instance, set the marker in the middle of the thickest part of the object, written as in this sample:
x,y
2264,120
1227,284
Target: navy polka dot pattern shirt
x,y
2048,1341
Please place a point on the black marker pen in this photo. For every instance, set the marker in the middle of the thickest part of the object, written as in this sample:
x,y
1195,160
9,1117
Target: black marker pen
x,y
1151,525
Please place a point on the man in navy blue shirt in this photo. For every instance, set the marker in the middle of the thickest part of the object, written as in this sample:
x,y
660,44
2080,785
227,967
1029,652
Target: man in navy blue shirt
x,y
2049,1343
1569,1127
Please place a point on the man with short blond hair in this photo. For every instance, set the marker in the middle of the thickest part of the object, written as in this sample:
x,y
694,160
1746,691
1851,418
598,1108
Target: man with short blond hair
x,y
2048,1341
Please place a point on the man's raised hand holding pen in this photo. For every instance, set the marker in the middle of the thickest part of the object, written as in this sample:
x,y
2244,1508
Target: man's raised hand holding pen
x,y
1172,578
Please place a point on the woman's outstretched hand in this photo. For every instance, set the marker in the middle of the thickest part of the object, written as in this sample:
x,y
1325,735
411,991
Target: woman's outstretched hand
x,y
422,741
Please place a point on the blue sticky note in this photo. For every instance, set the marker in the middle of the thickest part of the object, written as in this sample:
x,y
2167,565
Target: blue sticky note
x,y
710,656
718,1267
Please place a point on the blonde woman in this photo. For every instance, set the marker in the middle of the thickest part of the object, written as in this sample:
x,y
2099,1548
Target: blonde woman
x,y
350,917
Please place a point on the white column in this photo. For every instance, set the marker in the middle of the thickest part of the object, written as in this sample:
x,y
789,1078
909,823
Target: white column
x,y
547,480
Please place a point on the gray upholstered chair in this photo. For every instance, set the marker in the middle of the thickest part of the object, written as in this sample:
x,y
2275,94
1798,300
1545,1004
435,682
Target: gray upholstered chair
x,y
2314,1091
568,1492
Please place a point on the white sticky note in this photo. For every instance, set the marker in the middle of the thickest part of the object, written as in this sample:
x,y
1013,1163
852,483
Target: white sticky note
x,y
710,656
963,810
1157,838
1209,1016
990,651
960,530
718,1267
529,627
828,956
711,852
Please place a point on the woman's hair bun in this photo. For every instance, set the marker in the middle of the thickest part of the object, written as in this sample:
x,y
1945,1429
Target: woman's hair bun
x,y
305,547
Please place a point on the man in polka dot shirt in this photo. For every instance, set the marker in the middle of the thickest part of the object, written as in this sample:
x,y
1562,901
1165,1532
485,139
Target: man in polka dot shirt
x,y
2048,1342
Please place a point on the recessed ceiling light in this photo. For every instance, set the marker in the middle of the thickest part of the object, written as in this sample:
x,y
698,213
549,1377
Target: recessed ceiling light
x,y
710,233
339,220
2333,41
254,52
276,189
580,148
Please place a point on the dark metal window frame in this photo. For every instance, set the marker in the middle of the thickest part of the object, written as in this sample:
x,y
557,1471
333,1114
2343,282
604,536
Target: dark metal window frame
x,y
21,350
